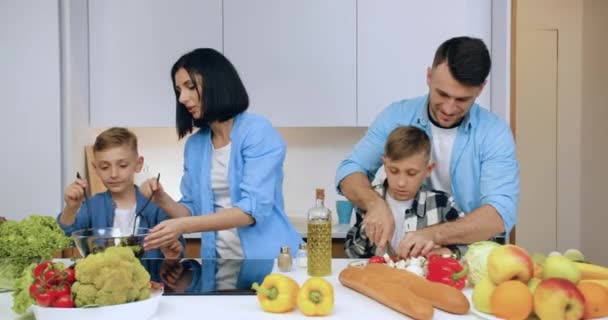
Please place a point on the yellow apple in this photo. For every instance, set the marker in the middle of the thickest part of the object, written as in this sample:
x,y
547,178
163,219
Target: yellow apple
x,y
561,267
556,298
510,262
482,294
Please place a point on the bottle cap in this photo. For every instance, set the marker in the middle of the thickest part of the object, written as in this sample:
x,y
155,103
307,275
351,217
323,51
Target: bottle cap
x,y
320,193
285,249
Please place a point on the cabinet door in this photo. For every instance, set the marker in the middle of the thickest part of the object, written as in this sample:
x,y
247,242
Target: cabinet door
x,y
30,126
296,58
133,45
396,42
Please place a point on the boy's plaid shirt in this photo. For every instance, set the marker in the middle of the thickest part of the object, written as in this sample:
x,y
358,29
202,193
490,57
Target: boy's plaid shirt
x,y
428,205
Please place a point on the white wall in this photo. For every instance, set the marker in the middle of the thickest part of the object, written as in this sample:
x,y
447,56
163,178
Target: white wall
x,y
313,154
30,141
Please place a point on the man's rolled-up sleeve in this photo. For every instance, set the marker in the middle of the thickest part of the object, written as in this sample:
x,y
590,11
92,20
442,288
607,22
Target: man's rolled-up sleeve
x,y
366,156
499,185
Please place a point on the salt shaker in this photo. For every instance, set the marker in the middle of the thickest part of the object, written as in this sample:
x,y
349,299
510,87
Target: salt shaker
x,y
302,256
284,260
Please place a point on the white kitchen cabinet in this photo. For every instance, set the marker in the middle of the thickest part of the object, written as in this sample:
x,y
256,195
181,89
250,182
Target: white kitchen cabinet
x,y
30,126
296,58
396,42
133,45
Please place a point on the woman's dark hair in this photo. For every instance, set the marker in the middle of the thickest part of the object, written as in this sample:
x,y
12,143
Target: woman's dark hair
x,y
468,59
223,97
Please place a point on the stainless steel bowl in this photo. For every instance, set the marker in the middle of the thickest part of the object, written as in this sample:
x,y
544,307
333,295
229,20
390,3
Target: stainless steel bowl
x,y
98,239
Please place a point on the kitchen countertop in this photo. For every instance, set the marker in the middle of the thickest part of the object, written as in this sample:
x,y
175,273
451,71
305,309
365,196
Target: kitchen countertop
x,y
349,304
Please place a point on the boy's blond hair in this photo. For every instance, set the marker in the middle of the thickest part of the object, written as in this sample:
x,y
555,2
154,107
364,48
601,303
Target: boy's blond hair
x,y
115,137
406,141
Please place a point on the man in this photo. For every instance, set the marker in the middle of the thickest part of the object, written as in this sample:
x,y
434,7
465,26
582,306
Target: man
x,y
473,149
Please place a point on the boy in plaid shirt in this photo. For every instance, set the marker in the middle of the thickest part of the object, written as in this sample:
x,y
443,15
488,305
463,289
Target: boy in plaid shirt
x,y
407,164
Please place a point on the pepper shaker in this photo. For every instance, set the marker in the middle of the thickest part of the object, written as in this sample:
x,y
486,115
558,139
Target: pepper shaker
x,y
284,260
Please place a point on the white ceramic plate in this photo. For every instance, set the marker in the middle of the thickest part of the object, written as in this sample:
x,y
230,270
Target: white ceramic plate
x,y
133,310
468,293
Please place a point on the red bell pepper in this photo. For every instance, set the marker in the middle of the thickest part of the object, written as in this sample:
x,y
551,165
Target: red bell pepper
x,y
447,271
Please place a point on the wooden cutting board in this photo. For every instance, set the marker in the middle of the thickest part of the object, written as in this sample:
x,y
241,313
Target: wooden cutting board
x,y
95,184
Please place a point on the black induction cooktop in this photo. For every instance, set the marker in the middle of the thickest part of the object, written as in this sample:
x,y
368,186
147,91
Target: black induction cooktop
x,y
208,276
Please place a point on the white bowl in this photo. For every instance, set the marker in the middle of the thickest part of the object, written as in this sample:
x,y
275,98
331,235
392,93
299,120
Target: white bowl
x,y
144,309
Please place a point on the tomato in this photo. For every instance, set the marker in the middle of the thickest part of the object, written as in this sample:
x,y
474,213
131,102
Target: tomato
x,y
35,288
68,275
50,276
376,259
41,268
64,301
156,285
60,290
43,299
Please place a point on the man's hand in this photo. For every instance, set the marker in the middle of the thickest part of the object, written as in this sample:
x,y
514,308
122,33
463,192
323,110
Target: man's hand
x,y
416,243
379,224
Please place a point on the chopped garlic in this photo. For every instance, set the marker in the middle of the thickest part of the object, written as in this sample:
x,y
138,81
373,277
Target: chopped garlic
x,y
415,269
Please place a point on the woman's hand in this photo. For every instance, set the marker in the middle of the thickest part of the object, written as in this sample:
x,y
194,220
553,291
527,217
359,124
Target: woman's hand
x,y
170,271
173,250
165,233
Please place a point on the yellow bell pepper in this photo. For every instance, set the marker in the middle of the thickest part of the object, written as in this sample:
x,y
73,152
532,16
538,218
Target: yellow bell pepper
x,y
277,293
316,297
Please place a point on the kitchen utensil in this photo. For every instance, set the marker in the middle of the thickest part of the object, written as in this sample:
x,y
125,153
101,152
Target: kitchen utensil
x,y
86,200
139,214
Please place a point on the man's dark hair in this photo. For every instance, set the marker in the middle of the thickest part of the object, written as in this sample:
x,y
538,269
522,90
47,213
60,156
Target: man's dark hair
x,y
468,59
223,94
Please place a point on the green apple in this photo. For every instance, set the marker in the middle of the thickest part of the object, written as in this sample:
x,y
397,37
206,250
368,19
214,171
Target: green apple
x,y
482,294
532,284
538,258
574,255
561,267
554,253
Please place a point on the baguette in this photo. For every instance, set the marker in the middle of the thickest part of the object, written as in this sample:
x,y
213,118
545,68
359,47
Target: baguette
x,y
440,295
392,295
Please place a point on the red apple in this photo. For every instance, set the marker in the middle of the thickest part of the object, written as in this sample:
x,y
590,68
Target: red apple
x,y
510,262
558,299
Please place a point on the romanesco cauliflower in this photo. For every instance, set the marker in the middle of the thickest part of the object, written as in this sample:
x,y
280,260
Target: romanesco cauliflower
x,y
111,277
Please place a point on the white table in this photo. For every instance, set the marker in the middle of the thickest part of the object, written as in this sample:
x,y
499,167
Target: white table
x,y
349,304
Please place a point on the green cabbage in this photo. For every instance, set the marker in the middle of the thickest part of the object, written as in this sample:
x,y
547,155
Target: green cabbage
x,y
477,259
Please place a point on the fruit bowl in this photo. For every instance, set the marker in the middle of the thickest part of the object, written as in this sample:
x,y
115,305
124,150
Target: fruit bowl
x,y
98,239
144,309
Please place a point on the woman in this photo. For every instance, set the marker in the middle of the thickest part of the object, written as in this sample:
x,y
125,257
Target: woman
x,y
233,167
